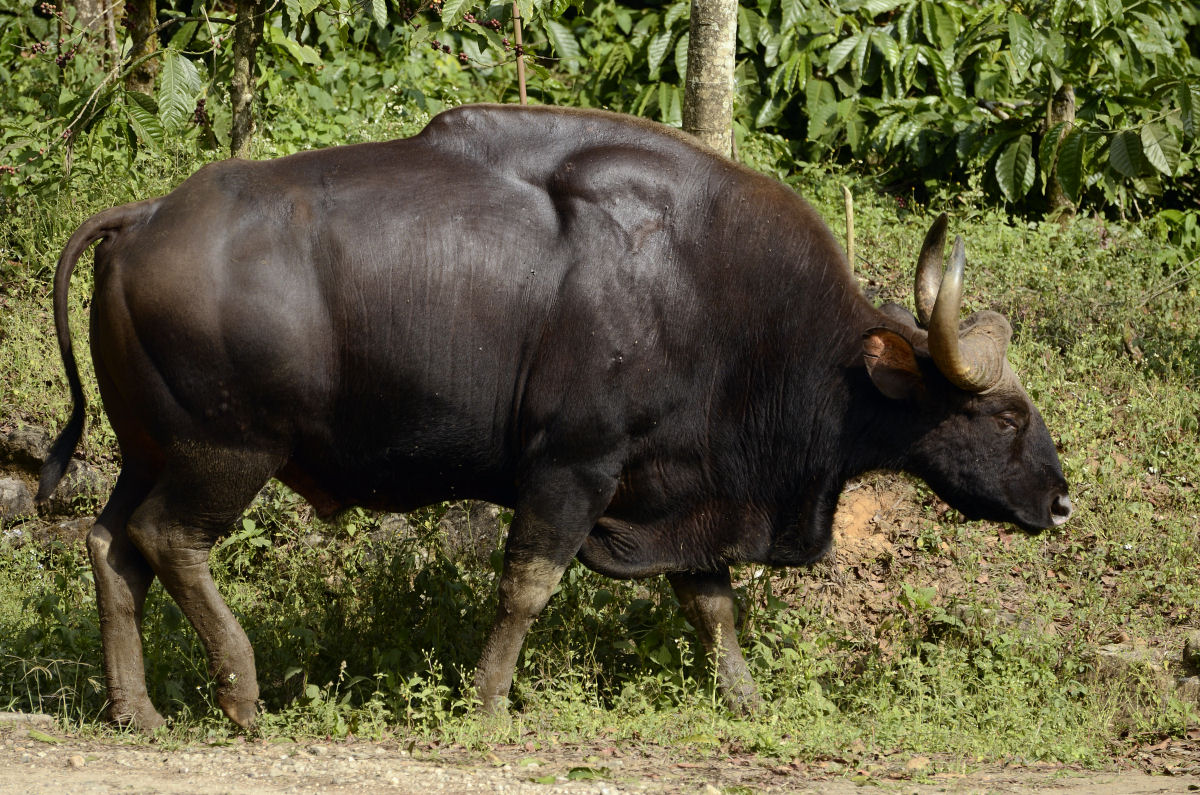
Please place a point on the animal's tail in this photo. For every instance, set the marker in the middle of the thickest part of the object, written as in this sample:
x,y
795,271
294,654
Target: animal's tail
x,y
107,224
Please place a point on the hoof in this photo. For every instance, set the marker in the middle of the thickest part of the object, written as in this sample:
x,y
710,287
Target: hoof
x,y
243,712
745,702
493,705
142,717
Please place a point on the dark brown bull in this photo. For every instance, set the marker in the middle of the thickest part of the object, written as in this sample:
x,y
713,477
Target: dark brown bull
x,y
657,357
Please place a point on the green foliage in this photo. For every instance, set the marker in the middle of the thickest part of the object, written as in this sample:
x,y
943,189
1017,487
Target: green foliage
x,y
940,92
944,97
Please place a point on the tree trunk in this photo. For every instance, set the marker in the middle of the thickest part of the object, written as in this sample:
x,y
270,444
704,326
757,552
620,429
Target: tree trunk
x,y
90,13
141,20
708,97
1062,108
247,35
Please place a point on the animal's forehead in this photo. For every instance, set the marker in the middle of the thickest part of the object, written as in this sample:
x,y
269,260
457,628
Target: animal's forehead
x,y
1008,388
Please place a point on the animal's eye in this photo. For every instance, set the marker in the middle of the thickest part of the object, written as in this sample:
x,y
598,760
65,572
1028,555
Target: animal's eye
x,y
1009,420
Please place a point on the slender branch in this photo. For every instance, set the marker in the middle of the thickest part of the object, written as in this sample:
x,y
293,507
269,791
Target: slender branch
x,y
516,13
1187,266
849,201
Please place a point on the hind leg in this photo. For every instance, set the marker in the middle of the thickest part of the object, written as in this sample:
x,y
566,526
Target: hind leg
x,y
192,504
706,599
122,577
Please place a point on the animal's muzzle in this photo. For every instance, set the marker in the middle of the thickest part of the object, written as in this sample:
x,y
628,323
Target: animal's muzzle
x,y
1060,509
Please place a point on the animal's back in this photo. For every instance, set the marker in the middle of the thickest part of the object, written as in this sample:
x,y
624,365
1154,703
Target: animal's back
x,y
401,319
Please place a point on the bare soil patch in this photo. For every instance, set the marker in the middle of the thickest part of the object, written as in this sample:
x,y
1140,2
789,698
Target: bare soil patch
x,y
37,759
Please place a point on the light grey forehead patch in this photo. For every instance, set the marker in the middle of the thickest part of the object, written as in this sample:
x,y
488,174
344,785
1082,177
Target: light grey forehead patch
x,y
1007,386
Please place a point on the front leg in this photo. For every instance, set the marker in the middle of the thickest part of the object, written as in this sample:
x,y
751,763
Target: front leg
x,y
555,512
706,599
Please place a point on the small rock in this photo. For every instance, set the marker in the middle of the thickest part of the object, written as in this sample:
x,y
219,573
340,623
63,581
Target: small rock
x,y
392,525
987,618
68,532
470,531
1187,688
1126,661
26,446
15,499
1191,653
35,719
81,487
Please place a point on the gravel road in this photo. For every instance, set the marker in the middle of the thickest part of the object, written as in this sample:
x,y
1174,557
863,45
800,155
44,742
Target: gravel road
x,y
36,757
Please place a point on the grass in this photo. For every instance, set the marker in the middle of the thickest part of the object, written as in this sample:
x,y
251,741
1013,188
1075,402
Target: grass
x,y
358,629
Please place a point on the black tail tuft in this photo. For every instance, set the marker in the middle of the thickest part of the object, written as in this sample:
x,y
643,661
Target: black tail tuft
x,y
59,456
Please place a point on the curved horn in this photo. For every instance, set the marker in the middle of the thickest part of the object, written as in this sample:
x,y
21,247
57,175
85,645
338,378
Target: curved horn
x,y
971,358
929,269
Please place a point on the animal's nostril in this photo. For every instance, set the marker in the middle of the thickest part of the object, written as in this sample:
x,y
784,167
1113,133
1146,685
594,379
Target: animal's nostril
x,y
1061,509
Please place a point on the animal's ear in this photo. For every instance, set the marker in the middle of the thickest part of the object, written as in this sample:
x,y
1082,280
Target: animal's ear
x,y
892,364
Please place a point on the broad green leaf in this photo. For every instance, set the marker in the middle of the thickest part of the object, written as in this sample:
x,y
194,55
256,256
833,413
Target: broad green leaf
x,y
1016,170
142,114
908,68
536,69
1058,13
793,12
1188,97
1021,44
1069,167
938,24
887,47
302,53
940,70
616,61
821,107
967,141
860,54
769,112
178,86
452,11
1049,146
852,123
791,74
877,7
771,44
1160,148
675,116
624,20
674,14
656,52
1095,13
563,40
670,109
184,35
681,56
1155,42
747,29
379,12
841,52
1125,154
